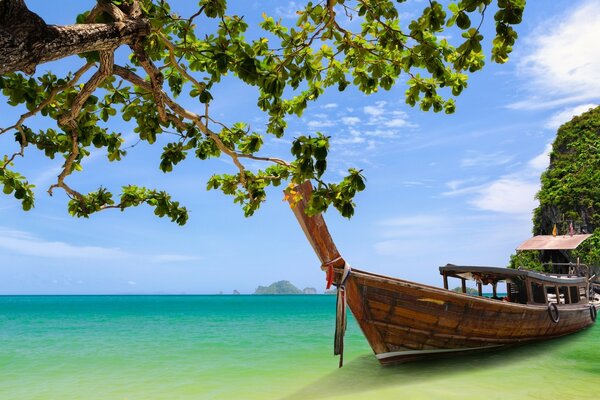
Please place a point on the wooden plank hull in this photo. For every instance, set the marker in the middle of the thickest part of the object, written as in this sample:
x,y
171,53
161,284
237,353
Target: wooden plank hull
x,y
404,321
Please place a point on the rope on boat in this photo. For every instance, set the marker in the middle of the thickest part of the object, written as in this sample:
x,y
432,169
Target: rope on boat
x,y
340,315
328,266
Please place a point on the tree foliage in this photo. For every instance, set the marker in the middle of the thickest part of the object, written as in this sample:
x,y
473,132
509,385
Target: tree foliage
x,y
570,192
170,55
571,185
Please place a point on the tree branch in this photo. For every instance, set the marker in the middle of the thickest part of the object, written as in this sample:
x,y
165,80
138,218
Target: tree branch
x,y
69,123
19,124
26,40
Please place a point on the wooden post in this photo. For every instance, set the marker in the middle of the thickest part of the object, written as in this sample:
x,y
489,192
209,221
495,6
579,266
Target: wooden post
x,y
479,289
508,290
529,290
464,285
557,294
494,289
568,296
445,280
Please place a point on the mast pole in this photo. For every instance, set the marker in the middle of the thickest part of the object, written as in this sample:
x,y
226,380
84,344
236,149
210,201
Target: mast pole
x,y
315,228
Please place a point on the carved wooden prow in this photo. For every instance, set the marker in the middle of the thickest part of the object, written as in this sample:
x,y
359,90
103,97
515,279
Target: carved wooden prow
x,y
315,228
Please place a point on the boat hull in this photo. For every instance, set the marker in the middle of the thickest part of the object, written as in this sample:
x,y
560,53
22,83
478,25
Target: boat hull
x,y
405,321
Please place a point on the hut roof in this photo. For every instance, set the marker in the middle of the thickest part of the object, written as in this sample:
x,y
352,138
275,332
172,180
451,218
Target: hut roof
x,y
549,242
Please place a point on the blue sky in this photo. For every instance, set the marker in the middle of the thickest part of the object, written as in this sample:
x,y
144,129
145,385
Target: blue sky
x,y
440,188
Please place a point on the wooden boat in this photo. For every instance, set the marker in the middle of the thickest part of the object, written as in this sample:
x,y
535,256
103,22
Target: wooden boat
x,y
405,321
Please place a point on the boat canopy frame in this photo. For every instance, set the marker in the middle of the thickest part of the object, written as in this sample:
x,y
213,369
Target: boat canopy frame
x,y
500,274
523,286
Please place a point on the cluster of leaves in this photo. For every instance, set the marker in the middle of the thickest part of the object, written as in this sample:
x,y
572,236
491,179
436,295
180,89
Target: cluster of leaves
x,y
289,66
571,184
527,259
589,251
570,192
16,184
131,196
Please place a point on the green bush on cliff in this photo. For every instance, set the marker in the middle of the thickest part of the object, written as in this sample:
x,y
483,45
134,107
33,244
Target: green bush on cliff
x,y
570,191
571,184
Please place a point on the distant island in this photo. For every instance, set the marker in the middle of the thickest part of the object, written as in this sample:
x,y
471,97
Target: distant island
x,y
283,287
471,291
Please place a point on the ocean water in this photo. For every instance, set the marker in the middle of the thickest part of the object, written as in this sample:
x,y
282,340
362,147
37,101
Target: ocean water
x,y
252,347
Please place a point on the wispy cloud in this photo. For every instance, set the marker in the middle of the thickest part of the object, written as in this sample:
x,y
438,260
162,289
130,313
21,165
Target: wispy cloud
x,y
563,59
320,123
414,234
476,159
28,244
509,194
375,110
540,162
459,187
351,120
567,114
288,11
31,245
361,130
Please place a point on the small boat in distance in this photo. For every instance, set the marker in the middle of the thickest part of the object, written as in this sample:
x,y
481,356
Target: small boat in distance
x,y
405,320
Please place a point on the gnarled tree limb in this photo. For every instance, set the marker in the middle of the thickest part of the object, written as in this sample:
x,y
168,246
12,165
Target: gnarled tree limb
x,y
27,41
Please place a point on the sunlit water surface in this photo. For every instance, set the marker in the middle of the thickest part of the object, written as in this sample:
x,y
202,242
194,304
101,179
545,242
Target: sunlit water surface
x,y
252,347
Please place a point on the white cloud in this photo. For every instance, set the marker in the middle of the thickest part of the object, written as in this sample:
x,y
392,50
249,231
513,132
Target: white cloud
x,y
567,114
485,160
459,187
376,110
507,195
30,245
563,58
383,134
289,11
351,120
395,123
541,161
27,244
317,123
349,140
413,183
350,130
330,105
536,102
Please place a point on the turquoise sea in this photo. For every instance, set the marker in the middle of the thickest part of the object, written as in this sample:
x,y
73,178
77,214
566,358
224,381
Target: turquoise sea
x,y
252,347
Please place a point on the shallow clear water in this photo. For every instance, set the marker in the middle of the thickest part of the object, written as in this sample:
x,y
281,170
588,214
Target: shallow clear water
x,y
251,347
